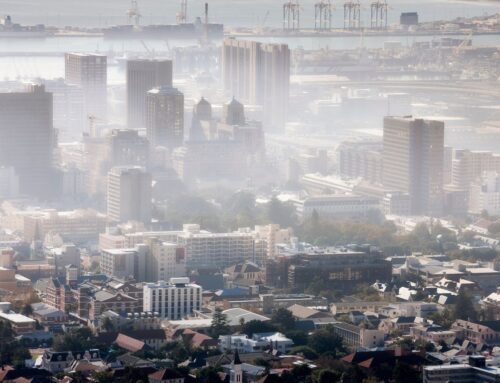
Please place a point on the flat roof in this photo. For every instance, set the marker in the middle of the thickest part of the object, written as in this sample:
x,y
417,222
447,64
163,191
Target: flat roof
x,y
16,318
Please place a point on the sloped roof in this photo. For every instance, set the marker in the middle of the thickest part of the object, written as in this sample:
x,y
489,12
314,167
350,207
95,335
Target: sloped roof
x,y
165,374
130,344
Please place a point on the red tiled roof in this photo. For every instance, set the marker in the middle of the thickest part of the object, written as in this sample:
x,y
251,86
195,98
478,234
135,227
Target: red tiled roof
x,y
129,344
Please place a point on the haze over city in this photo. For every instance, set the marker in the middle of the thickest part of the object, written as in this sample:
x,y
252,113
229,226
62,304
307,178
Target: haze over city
x,y
249,191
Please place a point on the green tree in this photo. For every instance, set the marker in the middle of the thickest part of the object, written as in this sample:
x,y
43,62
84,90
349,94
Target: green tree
x,y
209,375
464,308
325,340
283,319
256,326
219,324
108,325
403,373
308,352
103,377
327,376
27,310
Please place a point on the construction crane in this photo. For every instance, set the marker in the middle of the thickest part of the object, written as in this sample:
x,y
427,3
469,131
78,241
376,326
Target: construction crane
x,y
352,14
291,15
465,43
323,15
378,14
133,13
181,16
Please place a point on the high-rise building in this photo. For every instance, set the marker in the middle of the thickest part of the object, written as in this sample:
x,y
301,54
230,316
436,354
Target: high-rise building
x,y
166,260
258,74
234,113
89,71
173,300
129,194
142,76
121,147
413,156
27,138
165,117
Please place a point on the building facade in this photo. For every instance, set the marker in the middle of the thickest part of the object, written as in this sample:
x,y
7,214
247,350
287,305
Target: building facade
x,y
129,195
142,76
413,158
173,300
165,117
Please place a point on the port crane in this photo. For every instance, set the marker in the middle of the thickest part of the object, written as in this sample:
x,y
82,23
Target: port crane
x,y
291,15
323,15
133,14
181,16
378,14
352,14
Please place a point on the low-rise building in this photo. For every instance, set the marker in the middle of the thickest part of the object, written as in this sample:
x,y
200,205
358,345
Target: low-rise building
x,y
20,324
474,371
355,336
257,343
487,332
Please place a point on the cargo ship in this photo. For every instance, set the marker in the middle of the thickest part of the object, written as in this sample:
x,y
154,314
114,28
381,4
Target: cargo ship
x,y
188,31
8,29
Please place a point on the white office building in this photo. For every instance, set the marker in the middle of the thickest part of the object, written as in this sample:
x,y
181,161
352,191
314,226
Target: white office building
x,y
173,300
257,343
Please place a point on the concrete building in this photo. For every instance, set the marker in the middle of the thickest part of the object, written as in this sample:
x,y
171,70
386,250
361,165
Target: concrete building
x,y
124,264
174,299
165,117
121,147
337,206
215,249
257,343
9,182
166,260
129,195
485,195
142,76
77,226
27,139
89,71
69,108
413,156
474,371
258,74
354,336
361,159
342,269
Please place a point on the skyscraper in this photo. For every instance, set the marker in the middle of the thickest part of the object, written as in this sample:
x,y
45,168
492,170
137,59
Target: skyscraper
x,y
413,161
142,76
129,194
257,73
89,71
27,138
234,113
165,117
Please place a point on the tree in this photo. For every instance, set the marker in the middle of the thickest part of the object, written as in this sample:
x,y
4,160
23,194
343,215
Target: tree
x,y
403,373
103,377
256,326
327,376
209,375
283,319
464,308
219,324
325,340
27,310
108,325
308,352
